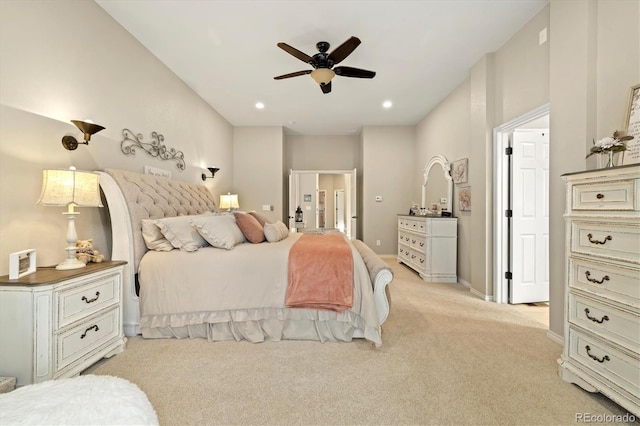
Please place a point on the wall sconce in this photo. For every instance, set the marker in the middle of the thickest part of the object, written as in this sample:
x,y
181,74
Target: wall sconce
x,y
87,127
213,171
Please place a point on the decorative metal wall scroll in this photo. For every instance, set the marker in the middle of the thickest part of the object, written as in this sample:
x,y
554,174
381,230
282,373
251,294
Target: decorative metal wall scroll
x,y
155,148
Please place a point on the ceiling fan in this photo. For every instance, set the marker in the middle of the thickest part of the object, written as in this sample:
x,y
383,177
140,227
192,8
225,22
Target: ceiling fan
x,y
323,63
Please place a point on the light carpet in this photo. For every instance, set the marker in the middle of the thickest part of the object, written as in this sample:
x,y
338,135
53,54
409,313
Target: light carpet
x,y
447,358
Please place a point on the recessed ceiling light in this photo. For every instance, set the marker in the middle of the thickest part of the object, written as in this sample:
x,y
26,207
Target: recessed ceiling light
x,y
259,105
387,104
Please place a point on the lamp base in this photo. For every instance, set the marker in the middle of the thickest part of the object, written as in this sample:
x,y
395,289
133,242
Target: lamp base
x,y
70,264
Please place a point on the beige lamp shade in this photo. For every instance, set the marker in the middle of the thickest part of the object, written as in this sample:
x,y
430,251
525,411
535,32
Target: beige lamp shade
x,y
65,187
229,201
322,75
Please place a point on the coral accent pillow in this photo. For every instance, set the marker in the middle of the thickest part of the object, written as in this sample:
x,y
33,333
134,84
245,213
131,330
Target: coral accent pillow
x,y
250,227
263,219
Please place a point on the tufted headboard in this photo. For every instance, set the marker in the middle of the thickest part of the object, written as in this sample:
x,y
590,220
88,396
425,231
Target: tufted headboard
x,y
153,197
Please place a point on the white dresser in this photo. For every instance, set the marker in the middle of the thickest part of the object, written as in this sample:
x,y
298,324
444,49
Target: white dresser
x,y
429,245
55,324
602,293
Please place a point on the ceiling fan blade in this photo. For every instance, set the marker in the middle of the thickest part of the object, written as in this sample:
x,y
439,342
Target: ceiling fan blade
x,y
326,88
293,74
344,50
295,52
354,72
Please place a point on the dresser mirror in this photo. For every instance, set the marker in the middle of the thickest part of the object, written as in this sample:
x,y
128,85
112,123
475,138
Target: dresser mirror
x,y
437,186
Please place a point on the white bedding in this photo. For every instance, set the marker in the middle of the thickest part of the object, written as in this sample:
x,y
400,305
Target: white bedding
x,y
240,294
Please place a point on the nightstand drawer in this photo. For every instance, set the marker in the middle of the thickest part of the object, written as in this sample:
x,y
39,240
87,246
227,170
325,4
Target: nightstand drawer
x,y
80,302
619,242
610,323
617,195
86,337
603,359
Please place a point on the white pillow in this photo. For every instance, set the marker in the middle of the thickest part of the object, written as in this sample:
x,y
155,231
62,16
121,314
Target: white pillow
x,y
180,233
219,230
153,237
275,232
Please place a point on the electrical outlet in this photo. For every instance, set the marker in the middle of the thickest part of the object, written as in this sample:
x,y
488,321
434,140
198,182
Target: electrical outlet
x,y
377,242
378,198
266,207
443,201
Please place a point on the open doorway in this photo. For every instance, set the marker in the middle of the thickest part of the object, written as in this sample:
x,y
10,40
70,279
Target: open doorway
x,y
308,190
514,240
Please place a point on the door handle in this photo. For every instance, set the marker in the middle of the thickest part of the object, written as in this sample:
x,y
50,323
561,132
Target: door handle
x,y
354,217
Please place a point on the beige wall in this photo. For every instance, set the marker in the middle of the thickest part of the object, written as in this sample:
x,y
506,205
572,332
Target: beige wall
x,y
258,167
577,72
388,170
67,60
322,152
588,97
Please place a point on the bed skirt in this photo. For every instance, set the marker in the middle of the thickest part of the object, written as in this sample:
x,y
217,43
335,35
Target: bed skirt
x,y
259,325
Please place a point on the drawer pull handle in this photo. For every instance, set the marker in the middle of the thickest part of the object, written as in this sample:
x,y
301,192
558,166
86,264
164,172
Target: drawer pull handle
x,y
593,280
413,241
607,238
600,196
594,319
421,260
93,327
91,300
421,244
595,358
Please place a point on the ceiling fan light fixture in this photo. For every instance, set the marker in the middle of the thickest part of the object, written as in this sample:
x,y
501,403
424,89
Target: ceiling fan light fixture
x,y
322,75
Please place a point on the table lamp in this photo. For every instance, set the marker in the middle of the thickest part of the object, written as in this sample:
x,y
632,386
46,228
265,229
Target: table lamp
x,y
70,188
229,201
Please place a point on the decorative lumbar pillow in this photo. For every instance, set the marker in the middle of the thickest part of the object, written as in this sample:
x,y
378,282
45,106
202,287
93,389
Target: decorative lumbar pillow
x,y
261,218
220,231
250,227
180,233
153,237
275,232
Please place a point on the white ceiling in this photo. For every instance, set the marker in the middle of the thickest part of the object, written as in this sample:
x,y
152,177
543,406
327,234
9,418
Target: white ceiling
x,y
226,51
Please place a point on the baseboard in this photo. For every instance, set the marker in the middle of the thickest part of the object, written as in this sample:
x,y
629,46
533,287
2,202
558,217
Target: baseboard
x,y
484,297
555,337
467,284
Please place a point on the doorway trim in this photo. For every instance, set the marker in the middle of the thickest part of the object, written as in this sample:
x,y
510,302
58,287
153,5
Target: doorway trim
x,y
501,192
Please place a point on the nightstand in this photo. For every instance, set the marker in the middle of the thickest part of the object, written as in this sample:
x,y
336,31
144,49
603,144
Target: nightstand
x,y
55,324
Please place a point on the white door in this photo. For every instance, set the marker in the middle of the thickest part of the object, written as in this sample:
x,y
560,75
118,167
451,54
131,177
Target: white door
x,y
293,198
339,222
352,212
530,217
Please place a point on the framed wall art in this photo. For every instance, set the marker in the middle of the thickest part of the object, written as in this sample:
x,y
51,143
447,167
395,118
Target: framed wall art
x,y
22,263
459,170
464,198
632,127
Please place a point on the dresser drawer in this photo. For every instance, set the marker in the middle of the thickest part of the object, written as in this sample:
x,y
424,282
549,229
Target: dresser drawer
x,y
621,242
403,254
79,302
87,336
616,195
404,238
606,280
612,324
417,243
610,363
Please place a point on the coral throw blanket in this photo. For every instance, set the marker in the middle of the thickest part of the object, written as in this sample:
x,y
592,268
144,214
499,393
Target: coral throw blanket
x,y
320,273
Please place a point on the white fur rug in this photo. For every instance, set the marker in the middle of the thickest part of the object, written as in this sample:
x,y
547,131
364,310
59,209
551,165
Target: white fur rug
x,y
82,400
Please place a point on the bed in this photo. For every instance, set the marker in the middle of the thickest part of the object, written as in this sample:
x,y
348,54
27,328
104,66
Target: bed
x,y
223,292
